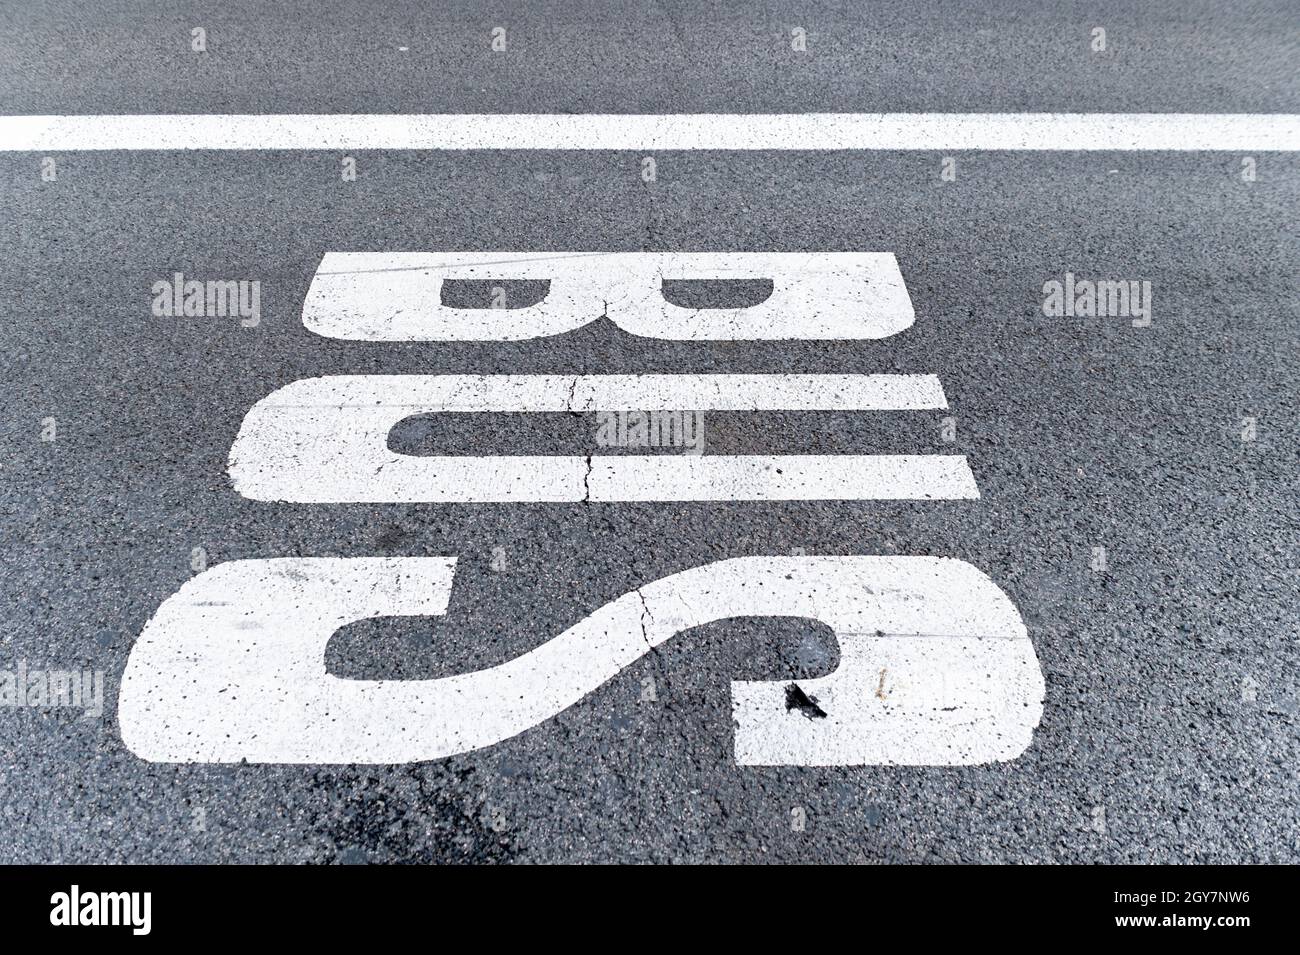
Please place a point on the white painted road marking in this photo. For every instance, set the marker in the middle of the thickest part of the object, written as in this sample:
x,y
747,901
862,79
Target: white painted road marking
x,y
935,665
325,440
1237,132
396,296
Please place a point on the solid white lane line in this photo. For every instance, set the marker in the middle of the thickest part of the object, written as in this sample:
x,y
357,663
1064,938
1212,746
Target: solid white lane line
x,y
1253,132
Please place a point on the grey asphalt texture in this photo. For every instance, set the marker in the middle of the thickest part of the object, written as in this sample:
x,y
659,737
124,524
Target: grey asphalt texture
x,y
1081,432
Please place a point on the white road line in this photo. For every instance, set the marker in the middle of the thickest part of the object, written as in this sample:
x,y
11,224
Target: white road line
x,y
422,394
325,440
777,477
1237,132
396,296
935,665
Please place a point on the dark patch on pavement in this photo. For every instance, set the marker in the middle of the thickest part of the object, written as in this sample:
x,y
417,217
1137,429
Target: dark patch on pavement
x,y
797,699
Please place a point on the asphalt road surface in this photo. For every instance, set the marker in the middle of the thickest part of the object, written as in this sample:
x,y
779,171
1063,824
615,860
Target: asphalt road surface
x,y
1169,726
